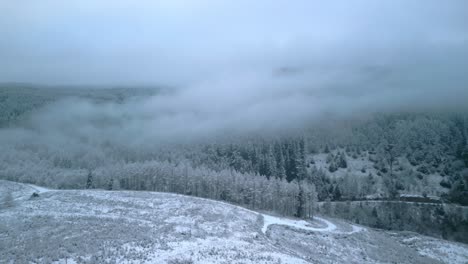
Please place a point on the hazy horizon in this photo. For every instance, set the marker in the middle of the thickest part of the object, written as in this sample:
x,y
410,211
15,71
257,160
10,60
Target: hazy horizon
x,y
243,66
313,131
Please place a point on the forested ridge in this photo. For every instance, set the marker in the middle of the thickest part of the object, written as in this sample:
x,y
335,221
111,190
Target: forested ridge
x,y
380,156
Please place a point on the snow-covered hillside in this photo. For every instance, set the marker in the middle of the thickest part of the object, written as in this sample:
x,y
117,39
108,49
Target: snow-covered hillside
x,y
93,226
362,178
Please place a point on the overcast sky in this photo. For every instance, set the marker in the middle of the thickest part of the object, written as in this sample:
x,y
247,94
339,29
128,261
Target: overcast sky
x,y
177,42
240,66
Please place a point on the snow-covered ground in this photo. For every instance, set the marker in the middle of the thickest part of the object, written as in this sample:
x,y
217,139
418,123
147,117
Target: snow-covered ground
x,y
94,226
355,166
318,224
363,165
39,189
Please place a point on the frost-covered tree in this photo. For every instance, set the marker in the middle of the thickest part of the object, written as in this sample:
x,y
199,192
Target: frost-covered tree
x,y
89,180
110,185
342,160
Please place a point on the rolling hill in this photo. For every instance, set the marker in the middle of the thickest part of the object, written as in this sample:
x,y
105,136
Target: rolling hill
x,y
97,226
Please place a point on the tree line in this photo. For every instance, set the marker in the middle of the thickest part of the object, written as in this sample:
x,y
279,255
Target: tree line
x,y
291,198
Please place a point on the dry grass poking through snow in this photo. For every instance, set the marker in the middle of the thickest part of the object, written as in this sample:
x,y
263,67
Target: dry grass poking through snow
x,y
142,227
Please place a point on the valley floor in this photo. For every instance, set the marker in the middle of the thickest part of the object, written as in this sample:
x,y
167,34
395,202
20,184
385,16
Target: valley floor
x,y
95,226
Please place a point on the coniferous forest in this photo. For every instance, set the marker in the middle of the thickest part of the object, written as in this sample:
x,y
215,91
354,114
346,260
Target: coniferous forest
x,y
420,157
254,132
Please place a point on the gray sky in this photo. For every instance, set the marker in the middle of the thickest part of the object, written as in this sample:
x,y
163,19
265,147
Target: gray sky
x,y
177,42
241,67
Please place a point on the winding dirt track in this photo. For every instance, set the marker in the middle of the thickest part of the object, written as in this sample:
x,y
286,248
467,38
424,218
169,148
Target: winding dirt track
x,y
318,224
305,225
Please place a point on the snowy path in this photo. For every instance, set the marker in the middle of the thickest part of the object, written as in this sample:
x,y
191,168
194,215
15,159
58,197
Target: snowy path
x,y
39,189
35,189
304,225
268,220
299,224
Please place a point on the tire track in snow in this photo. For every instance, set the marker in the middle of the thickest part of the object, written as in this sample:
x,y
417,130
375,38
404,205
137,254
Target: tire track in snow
x,y
304,225
39,189
275,220
267,219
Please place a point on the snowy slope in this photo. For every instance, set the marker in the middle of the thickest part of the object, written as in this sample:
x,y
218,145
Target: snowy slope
x,y
93,226
361,166
318,224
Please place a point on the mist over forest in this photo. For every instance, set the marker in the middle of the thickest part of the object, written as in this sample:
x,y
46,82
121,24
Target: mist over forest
x,y
134,138
347,109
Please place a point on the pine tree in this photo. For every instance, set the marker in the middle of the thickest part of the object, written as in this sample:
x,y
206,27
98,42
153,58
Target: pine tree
x,y
281,167
337,193
301,201
459,191
312,199
301,166
89,181
342,161
378,222
332,167
271,166
465,155
368,185
110,185
291,172
390,155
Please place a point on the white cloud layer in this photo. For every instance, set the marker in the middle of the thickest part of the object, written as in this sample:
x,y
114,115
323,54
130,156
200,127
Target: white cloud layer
x,y
240,65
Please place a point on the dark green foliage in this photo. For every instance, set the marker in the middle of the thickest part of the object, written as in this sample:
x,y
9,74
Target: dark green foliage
x,y
383,169
391,185
459,191
432,141
18,101
336,193
445,183
322,184
301,203
284,159
399,186
342,161
336,161
89,180
423,169
110,185
464,156
439,220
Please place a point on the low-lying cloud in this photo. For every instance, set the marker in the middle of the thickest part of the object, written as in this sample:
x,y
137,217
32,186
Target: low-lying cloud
x,y
239,67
